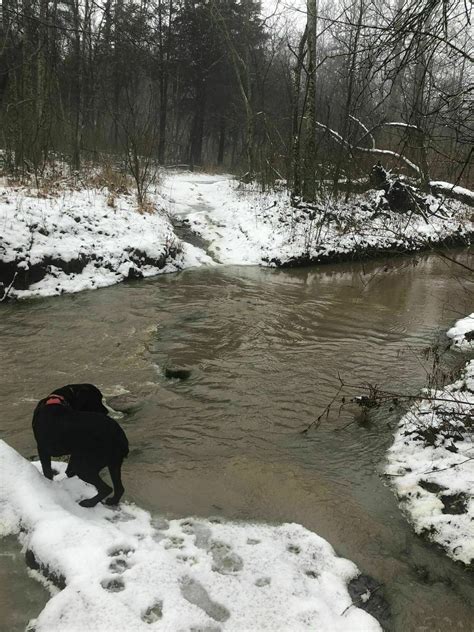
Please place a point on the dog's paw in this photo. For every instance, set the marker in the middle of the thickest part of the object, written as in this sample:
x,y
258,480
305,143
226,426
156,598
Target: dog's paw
x,y
111,502
88,502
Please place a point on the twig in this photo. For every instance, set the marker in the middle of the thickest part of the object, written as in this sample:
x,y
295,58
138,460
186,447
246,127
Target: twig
x,y
360,600
444,256
317,422
7,291
442,469
346,426
384,395
449,467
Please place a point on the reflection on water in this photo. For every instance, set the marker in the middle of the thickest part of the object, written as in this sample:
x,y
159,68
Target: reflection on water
x,y
268,350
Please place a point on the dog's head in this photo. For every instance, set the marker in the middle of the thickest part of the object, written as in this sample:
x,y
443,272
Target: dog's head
x,y
85,398
88,398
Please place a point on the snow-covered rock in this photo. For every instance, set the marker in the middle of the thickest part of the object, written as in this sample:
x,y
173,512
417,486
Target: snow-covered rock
x,y
124,571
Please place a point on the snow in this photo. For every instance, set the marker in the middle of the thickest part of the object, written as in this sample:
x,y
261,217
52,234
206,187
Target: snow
x,y
74,240
447,187
124,570
431,466
103,244
392,154
217,210
458,333
246,226
401,124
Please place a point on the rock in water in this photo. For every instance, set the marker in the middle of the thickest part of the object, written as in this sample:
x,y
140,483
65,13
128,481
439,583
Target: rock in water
x,y
177,373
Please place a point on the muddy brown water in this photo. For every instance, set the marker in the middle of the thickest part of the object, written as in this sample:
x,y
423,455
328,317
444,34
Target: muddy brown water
x,y
267,350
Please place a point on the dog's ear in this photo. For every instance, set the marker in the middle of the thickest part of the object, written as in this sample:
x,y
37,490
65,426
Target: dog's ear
x,y
89,399
101,408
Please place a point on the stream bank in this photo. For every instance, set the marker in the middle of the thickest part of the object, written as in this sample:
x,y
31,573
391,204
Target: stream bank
x,y
68,241
431,462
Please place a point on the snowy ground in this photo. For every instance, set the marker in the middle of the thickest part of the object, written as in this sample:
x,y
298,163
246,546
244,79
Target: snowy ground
x,y
73,240
244,226
431,462
446,188
462,333
122,570
76,240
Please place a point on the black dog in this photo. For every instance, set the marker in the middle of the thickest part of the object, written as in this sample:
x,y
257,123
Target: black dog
x,y
73,420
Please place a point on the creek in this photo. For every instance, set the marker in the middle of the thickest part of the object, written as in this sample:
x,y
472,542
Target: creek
x,y
268,350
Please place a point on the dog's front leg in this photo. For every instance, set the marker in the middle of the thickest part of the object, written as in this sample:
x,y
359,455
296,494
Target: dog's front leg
x,y
45,459
116,476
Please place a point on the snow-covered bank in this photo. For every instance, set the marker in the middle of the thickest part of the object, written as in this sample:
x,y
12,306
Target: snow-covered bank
x,y
462,333
121,570
431,462
245,226
73,240
76,240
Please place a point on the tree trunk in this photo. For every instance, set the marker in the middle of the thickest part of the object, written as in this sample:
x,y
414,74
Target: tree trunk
x,y
309,184
354,49
296,122
77,89
418,136
222,138
197,127
164,59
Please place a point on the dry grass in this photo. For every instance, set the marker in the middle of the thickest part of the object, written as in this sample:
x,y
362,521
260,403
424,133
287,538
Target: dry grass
x,y
146,208
109,177
56,179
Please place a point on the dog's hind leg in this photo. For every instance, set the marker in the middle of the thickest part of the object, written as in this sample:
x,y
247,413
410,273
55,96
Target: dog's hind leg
x,y
72,467
115,470
103,489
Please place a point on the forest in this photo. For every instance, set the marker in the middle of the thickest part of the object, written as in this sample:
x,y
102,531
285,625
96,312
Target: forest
x,y
312,95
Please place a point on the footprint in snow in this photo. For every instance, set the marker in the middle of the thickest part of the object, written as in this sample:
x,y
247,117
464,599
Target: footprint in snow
x,y
121,550
121,516
113,584
202,534
174,542
191,560
194,592
154,613
118,566
225,560
159,536
160,523
263,581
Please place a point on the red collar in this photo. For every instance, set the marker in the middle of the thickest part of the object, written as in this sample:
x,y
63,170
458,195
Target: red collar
x,y
55,399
